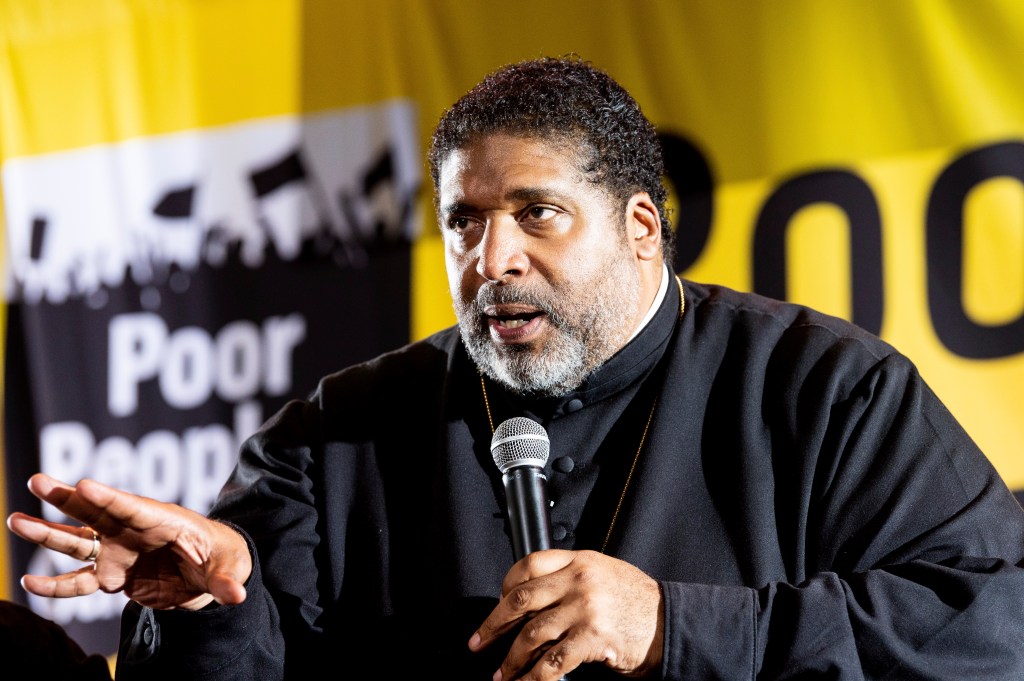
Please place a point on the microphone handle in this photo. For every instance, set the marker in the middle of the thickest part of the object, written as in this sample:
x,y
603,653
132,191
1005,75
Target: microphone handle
x,y
528,510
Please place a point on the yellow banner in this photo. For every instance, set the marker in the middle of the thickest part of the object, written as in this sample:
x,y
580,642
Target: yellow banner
x,y
845,144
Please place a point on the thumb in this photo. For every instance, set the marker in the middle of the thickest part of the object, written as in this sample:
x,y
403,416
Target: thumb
x,y
225,588
230,566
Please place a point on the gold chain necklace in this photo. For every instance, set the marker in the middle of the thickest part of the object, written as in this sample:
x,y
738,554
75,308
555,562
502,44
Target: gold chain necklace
x,y
640,447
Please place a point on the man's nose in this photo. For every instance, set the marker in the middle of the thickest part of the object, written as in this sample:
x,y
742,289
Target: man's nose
x,y
502,251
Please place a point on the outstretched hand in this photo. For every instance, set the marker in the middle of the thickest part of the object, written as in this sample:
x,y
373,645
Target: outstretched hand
x,y
160,555
576,607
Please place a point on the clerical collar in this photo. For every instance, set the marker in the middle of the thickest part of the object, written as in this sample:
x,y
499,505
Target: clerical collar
x,y
662,288
632,363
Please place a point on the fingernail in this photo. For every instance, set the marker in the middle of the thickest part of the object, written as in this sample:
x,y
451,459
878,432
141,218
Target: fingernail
x,y
474,641
497,676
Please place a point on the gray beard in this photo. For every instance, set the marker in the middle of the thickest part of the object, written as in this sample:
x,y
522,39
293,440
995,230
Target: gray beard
x,y
587,330
564,365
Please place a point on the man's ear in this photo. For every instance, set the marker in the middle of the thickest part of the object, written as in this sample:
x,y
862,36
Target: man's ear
x,y
643,226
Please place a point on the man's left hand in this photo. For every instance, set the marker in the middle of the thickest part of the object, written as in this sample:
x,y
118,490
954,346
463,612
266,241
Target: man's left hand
x,y
576,607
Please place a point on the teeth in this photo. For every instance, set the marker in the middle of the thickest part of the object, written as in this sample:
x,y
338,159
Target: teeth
x,y
512,323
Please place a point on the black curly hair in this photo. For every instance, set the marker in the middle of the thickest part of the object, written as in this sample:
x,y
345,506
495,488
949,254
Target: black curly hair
x,y
563,99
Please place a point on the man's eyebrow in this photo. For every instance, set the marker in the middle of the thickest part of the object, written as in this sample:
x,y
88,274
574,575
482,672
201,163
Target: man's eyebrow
x,y
528,194
520,195
455,207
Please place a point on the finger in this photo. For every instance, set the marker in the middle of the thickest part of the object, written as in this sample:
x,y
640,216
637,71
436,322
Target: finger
x,y
88,501
534,565
51,490
529,592
81,582
554,663
539,648
68,500
111,511
77,542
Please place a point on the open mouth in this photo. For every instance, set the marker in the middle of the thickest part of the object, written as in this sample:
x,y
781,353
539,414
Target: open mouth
x,y
513,322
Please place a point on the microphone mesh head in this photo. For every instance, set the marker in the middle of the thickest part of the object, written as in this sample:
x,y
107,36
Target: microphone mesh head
x,y
519,441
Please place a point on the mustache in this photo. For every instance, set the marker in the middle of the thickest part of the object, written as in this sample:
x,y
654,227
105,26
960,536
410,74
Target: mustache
x,y
506,294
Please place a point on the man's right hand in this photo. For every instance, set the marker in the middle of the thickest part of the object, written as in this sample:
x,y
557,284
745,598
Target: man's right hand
x,y
160,555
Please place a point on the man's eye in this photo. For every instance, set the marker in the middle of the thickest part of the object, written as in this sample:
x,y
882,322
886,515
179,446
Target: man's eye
x,y
540,212
458,223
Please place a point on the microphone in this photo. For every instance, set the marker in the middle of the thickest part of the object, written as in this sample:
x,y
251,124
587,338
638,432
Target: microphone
x,y
520,448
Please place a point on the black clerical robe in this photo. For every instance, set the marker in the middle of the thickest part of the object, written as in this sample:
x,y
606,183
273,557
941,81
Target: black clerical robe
x,y
809,507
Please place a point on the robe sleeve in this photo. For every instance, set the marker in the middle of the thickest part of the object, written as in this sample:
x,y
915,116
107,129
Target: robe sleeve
x,y
913,566
229,643
270,493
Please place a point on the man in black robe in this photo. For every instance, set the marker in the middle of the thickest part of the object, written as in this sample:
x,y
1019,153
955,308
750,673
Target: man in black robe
x,y
741,488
